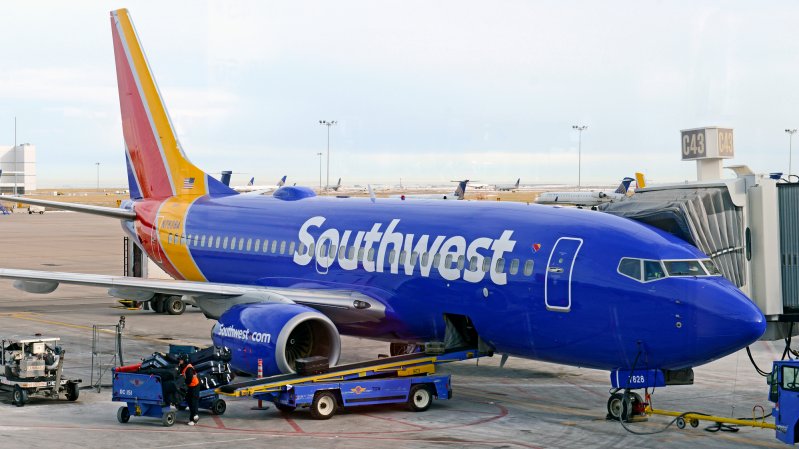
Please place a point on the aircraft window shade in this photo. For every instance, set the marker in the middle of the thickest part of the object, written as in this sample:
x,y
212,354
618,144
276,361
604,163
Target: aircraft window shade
x,y
371,255
249,244
224,243
241,244
514,266
257,245
653,270
486,264
630,268
414,258
283,247
684,268
461,262
528,267
274,246
711,268
292,246
425,258
500,266
473,263
391,255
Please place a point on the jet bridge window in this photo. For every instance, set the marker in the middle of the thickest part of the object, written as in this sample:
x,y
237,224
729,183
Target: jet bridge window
x,y
684,268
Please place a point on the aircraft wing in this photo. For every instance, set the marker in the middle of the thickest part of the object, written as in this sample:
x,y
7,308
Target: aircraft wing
x,y
112,212
342,306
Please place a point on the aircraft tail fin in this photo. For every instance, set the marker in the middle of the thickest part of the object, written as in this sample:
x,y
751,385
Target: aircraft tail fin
x,y
518,180
625,185
338,185
251,182
640,181
282,181
157,165
460,191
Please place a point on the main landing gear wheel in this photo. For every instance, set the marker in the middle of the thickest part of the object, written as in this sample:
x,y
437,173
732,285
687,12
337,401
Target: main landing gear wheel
x,y
324,405
174,306
123,414
19,396
420,398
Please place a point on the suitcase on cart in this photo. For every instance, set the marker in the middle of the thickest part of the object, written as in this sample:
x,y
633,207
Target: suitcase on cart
x,y
312,365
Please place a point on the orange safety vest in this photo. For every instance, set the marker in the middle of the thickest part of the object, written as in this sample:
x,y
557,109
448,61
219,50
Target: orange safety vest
x,y
194,380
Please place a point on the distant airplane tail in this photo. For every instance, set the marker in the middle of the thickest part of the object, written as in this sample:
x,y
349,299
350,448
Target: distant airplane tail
x,y
157,165
282,181
518,180
625,185
640,181
460,191
335,189
251,182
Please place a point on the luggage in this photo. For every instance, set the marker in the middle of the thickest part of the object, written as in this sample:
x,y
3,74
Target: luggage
x,y
312,365
212,367
219,353
157,360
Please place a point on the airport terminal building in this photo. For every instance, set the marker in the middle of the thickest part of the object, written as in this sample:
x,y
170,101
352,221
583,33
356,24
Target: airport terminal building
x,y
17,168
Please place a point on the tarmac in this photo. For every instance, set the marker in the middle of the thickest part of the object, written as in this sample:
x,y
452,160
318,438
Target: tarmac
x,y
526,404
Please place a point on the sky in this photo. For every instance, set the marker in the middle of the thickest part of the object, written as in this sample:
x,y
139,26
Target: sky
x,y
423,91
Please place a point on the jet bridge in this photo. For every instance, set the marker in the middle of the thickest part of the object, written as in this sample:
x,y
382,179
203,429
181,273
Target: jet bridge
x,y
748,225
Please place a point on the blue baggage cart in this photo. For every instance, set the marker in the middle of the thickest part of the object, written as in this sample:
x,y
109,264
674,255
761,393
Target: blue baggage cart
x,y
144,395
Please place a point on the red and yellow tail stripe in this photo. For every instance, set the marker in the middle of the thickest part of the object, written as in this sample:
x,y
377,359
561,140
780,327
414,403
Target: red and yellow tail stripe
x,y
160,166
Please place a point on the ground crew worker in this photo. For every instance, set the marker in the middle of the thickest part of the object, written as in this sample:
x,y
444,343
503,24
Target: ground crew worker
x,y
193,389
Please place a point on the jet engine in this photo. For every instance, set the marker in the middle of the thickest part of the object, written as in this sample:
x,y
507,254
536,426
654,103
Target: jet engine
x,y
277,334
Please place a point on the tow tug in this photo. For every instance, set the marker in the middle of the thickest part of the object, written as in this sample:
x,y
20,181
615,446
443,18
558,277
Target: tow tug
x,y
409,379
33,366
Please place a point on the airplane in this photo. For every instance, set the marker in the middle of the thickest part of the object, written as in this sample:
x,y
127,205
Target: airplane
x,y
285,275
585,199
458,194
251,187
508,188
337,186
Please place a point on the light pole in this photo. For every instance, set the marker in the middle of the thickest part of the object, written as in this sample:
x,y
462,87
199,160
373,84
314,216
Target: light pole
x,y
790,132
580,129
328,124
320,172
98,175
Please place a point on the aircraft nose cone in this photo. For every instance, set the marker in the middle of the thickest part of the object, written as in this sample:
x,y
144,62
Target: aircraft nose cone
x,y
733,321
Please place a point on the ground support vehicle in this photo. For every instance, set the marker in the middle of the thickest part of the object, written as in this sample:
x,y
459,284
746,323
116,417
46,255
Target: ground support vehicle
x,y
144,395
33,367
407,379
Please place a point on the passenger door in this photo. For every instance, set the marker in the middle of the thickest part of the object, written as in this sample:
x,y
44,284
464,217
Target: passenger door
x,y
557,285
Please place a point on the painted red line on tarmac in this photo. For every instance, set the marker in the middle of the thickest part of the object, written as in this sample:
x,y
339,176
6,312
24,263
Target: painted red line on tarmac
x,y
293,424
395,421
218,420
587,390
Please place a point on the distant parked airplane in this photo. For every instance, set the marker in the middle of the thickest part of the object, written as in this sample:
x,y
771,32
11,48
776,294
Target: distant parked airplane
x,y
508,188
251,187
586,199
458,194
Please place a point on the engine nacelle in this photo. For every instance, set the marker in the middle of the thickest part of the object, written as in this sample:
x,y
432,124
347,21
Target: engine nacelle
x,y
276,333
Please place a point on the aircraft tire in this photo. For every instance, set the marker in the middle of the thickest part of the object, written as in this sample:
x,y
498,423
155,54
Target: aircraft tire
x,y
174,306
619,405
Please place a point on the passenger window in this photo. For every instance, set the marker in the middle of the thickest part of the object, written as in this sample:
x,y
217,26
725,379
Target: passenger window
x,y
486,264
414,258
528,267
323,248
257,245
291,247
500,266
653,270
351,253
514,266
249,245
342,252
224,243
436,260
630,268
403,257
233,243
391,255
169,238
473,263
266,245
371,255
448,261
282,247
311,249
196,239
241,244
217,241
461,261
202,241
274,246
425,258
302,248
360,253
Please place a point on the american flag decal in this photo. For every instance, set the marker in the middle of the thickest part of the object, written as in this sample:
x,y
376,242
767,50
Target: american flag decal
x,y
188,183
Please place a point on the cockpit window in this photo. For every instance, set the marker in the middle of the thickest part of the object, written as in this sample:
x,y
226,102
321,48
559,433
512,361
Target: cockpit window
x,y
684,268
653,270
711,268
630,268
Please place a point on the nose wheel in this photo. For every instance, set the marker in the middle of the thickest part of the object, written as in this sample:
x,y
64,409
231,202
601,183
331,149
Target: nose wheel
x,y
625,406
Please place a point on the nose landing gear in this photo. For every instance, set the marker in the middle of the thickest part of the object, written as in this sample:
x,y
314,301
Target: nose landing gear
x,y
628,407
